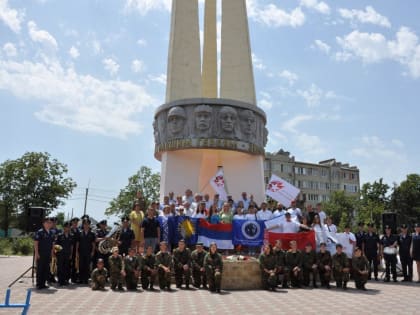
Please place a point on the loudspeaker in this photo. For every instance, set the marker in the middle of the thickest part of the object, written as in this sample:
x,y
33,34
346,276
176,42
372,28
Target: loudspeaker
x,y
391,220
35,215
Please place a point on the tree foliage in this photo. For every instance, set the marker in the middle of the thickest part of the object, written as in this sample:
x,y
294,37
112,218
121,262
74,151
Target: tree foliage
x,y
342,208
144,181
374,200
35,179
405,199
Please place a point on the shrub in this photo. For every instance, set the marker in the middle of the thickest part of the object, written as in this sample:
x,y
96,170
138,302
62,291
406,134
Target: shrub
x,y
23,246
6,246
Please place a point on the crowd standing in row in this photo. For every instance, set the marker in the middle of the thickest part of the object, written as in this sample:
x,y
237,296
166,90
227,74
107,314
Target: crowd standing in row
x,y
76,249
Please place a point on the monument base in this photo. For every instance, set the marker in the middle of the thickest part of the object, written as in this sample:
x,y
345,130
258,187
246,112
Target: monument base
x,y
193,169
241,275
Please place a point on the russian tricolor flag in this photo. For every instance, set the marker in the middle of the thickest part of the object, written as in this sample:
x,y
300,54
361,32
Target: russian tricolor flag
x,y
220,233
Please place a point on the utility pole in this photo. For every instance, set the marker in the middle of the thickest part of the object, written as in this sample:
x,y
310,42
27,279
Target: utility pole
x,y
86,198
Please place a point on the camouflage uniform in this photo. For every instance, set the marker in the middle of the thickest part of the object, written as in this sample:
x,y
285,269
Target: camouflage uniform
x,y
360,267
213,264
268,263
281,265
324,259
131,268
197,259
116,264
340,262
294,260
98,278
148,271
182,258
164,259
309,260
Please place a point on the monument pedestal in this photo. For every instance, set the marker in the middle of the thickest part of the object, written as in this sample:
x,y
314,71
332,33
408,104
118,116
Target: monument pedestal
x,y
241,275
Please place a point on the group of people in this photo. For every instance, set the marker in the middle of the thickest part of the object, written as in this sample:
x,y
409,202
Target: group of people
x,y
139,253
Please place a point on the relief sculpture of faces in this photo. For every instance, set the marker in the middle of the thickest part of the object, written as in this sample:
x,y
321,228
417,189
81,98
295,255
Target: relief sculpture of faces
x,y
228,118
176,122
202,119
248,124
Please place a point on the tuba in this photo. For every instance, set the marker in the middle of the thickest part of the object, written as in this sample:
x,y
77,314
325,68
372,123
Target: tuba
x,y
111,240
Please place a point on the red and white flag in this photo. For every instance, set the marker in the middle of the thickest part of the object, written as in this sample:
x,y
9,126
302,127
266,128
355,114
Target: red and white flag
x,y
218,184
281,191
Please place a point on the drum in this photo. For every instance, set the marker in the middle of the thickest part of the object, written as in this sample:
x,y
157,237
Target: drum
x,y
390,250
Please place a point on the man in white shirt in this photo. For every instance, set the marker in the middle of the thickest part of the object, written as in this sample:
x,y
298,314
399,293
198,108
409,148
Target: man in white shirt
x,y
290,226
279,211
294,211
264,214
197,200
321,213
188,211
245,200
188,196
207,201
349,242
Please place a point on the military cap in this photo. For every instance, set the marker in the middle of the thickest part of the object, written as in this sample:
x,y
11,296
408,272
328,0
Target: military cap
x,y
387,227
66,224
104,222
404,226
85,216
75,219
86,220
199,244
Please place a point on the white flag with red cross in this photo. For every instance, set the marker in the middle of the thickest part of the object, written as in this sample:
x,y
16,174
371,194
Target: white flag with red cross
x,y
281,190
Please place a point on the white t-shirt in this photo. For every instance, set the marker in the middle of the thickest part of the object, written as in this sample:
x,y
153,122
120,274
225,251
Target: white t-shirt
x,y
239,217
250,216
278,213
199,215
264,215
290,227
322,216
348,246
295,212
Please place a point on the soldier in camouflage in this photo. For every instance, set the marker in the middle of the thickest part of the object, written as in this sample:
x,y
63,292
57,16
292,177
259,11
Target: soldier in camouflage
x,y
268,265
294,264
164,265
116,270
182,264
341,268
198,271
148,269
132,269
360,266
213,264
324,265
99,275
281,263
310,265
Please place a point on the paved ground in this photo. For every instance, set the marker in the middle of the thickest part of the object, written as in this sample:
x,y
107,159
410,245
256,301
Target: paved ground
x,y
382,298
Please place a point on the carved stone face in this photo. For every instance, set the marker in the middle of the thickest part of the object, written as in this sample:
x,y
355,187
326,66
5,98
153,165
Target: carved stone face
x,y
248,123
202,116
176,120
228,118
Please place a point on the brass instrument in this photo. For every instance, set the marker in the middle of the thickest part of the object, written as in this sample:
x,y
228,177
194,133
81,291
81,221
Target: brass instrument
x,y
53,264
111,240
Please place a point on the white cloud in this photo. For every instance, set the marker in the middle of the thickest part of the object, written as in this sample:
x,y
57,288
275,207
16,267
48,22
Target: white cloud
x,y
319,6
320,45
398,143
142,42
79,102
258,63
265,101
111,66
11,17
312,96
144,6
41,36
137,66
374,47
368,16
74,52
10,49
289,76
291,124
273,16
97,48
161,78
310,144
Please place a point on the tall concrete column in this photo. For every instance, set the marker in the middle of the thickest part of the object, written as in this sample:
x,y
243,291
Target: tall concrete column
x,y
184,62
237,77
209,71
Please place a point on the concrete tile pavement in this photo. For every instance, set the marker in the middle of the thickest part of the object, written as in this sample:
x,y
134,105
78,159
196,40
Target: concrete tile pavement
x,y
382,297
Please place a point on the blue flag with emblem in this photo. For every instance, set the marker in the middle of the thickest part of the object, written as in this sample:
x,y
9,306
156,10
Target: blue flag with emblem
x,y
248,232
182,227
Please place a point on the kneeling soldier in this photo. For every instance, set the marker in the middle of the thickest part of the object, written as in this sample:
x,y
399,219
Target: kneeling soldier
x,y
116,269
213,263
148,269
182,264
310,265
164,264
294,264
268,265
360,266
197,259
324,265
281,263
341,268
99,275
132,269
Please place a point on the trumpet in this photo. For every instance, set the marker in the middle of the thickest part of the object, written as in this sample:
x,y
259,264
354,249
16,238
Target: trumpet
x,y
53,264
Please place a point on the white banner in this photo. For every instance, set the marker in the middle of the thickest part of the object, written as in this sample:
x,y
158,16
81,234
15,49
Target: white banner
x,y
218,184
281,191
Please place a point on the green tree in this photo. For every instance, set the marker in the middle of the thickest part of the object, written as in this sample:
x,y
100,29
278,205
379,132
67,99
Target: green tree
x,y
35,179
374,200
60,218
342,208
405,199
145,181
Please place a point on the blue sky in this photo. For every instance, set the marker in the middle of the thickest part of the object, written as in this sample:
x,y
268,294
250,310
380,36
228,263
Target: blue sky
x,y
81,80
